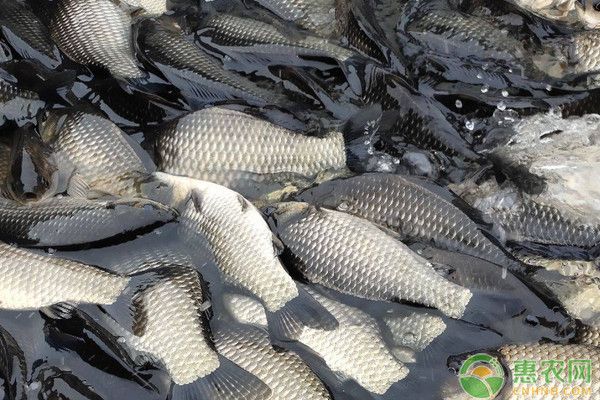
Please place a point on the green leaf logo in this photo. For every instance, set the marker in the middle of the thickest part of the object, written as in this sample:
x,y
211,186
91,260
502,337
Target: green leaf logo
x,y
481,376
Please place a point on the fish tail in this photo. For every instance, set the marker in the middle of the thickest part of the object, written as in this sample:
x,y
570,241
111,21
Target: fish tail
x,y
228,382
455,301
302,311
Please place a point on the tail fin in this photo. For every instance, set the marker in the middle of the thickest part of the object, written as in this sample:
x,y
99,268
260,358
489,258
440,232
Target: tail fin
x,y
302,311
228,382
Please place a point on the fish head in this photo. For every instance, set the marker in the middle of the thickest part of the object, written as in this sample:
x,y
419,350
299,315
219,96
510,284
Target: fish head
x,y
285,213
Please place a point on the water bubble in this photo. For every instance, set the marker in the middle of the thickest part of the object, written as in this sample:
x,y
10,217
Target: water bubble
x,y
505,93
121,339
458,104
548,88
485,88
501,106
370,151
367,142
470,125
479,76
396,160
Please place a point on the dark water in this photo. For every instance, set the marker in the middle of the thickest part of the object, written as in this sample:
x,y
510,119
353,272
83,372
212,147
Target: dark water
x,y
409,82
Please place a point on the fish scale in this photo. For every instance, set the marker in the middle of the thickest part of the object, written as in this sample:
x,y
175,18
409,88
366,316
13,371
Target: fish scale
x,y
317,16
224,146
77,25
351,255
283,371
32,281
409,208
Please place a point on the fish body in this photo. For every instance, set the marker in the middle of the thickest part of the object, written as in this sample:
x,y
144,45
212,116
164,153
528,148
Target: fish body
x,y
96,32
236,149
248,36
200,77
350,254
283,371
17,104
415,330
578,53
153,7
415,208
355,350
69,221
27,34
242,247
32,281
102,155
589,335
316,16
5,153
169,323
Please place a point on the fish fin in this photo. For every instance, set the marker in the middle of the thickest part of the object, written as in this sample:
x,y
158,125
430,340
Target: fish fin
x,y
228,382
62,310
302,311
278,245
245,204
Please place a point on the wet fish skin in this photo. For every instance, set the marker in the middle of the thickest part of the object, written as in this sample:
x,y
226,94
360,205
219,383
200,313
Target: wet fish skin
x,y
413,207
102,155
316,16
13,365
350,254
5,152
241,244
152,7
355,350
27,34
17,103
248,36
236,150
530,221
283,371
96,32
200,77
415,330
58,222
32,281
168,322
588,335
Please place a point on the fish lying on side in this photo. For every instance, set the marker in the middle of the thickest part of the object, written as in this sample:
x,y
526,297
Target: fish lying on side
x,y
152,7
241,151
104,159
27,34
350,254
32,281
540,354
17,104
242,246
167,320
199,76
415,208
355,350
67,221
248,38
283,371
589,335
316,16
415,330
98,33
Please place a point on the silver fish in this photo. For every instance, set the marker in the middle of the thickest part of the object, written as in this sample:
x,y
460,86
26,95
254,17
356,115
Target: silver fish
x,y
283,371
103,157
5,152
238,150
96,32
17,104
252,38
589,335
355,350
350,254
168,323
415,208
242,246
313,15
200,77
69,221
415,330
32,281
27,34
153,7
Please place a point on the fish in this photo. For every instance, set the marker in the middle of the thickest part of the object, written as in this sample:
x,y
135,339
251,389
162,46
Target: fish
x,y
167,321
588,335
410,117
17,104
61,222
5,154
509,355
199,76
97,33
26,34
13,366
34,281
251,38
239,150
355,350
416,209
102,157
415,330
316,16
242,246
283,371
349,254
